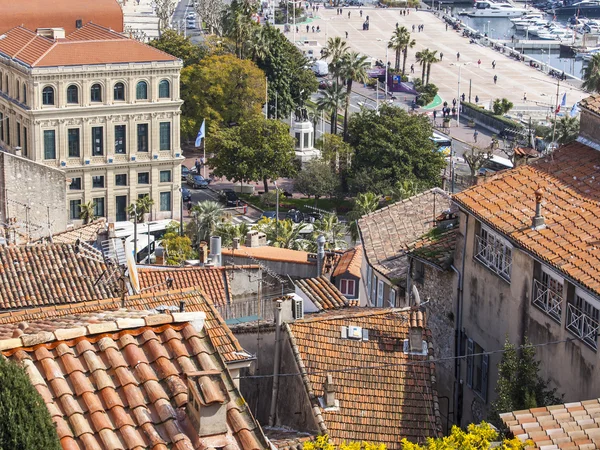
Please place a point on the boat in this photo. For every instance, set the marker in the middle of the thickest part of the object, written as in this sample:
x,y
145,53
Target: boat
x,y
530,25
586,8
492,9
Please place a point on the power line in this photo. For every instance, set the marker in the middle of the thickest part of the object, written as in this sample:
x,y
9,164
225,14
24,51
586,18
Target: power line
x,y
406,363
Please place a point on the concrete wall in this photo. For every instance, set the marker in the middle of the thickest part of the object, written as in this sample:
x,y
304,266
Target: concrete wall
x,y
589,125
243,284
34,195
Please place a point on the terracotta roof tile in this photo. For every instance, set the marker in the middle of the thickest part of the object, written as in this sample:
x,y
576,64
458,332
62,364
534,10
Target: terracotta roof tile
x,y
87,233
148,409
574,426
349,262
591,103
386,232
435,248
323,293
381,404
570,206
269,253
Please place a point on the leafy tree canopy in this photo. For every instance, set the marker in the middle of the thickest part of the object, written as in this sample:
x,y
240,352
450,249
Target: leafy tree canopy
x,y
258,150
178,248
173,43
335,151
223,90
322,443
26,422
316,178
501,106
392,146
567,130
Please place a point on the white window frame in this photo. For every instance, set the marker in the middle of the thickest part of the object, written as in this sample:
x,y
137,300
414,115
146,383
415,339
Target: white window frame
x,y
369,273
348,292
373,294
392,298
380,288
579,320
494,252
547,295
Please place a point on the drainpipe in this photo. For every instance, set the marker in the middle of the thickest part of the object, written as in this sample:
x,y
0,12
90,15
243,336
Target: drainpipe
x,y
276,363
320,254
457,331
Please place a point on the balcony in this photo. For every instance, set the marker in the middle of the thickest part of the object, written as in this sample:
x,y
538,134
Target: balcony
x,y
548,300
495,256
582,326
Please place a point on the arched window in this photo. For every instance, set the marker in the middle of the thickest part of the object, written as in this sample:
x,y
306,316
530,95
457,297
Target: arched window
x,y
48,96
72,94
119,91
24,93
96,93
141,91
164,89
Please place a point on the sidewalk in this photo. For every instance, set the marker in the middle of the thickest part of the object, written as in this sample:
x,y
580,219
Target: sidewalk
x,y
139,15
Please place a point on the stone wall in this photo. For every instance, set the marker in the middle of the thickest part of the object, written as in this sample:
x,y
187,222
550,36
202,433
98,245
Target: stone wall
x,y
34,196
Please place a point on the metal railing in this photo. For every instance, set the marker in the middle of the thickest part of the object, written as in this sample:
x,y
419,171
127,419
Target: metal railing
x,y
236,310
495,257
582,326
548,300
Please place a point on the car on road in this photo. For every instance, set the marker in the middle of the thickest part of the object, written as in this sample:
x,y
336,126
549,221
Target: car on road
x,y
324,83
268,215
229,197
184,173
186,194
295,216
196,181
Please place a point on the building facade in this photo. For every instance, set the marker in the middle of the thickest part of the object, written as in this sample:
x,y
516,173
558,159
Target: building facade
x,y
100,107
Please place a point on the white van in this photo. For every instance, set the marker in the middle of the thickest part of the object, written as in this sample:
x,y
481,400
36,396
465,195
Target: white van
x,y
320,68
495,164
191,20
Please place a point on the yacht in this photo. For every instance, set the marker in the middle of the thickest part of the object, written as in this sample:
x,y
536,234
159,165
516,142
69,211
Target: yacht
x,y
492,9
530,24
555,35
587,8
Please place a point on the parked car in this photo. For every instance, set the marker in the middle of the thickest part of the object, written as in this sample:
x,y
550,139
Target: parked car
x,y
186,194
268,215
324,83
229,197
196,181
295,216
184,172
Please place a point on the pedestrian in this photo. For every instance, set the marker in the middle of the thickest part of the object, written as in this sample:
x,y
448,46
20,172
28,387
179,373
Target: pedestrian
x,y
317,8
446,27
341,12
197,165
525,96
434,115
479,63
413,28
458,56
495,78
494,64
423,27
476,99
346,35
396,24
313,28
297,31
463,97
307,28
318,29
453,111
313,8
361,13
453,102
441,56
475,134
412,68
349,14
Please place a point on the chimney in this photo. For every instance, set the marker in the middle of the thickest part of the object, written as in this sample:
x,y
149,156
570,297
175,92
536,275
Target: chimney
x,y
415,332
203,253
215,250
236,243
329,392
181,305
538,220
320,254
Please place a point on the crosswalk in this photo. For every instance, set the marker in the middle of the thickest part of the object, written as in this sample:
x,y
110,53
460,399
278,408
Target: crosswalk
x,y
242,219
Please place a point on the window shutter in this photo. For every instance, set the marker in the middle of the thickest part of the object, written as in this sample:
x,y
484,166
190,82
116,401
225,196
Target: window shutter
x,y
344,286
470,362
484,376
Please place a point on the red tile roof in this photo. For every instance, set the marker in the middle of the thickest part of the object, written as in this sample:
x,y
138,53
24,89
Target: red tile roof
x,y
49,274
34,14
435,248
87,233
571,425
324,294
570,206
350,262
381,399
126,383
87,46
269,253
591,103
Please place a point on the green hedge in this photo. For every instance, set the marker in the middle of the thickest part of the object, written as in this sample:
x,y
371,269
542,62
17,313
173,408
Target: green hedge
x,y
505,121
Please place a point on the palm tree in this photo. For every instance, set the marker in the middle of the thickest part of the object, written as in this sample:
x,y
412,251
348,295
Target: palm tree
x,y
567,130
332,97
333,230
206,217
431,59
258,44
87,212
229,231
422,58
363,204
591,74
401,42
289,236
354,67
335,49
142,206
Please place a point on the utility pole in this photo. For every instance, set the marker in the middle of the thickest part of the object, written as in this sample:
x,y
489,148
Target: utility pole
x,y
181,211
135,232
555,110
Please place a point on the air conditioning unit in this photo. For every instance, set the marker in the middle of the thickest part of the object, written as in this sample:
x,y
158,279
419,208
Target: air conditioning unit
x,y
133,158
63,164
298,309
87,161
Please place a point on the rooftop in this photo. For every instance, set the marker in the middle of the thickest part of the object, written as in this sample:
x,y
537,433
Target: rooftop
x,y
126,383
89,45
435,247
350,262
570,206
34,14
323,293
384,394
387,232
574,425
87,233
591,103
269,253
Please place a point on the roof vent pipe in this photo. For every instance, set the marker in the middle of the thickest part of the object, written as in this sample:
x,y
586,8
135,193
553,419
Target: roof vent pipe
x,y
320,254
538,220
215,250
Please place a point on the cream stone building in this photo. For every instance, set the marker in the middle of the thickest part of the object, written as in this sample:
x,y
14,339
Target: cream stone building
x,y
103,108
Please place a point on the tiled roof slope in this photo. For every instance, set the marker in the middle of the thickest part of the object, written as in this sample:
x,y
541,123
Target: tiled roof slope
x,y
93,47
35,14
124,384
49,274
573,426
386,232
29,320
212,280
592,103
570,206
384,401
87,233
350,262
435,248
324,294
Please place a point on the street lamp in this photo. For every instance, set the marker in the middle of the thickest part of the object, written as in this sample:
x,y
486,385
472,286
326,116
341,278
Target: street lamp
x,y
276,210
458,93
180,209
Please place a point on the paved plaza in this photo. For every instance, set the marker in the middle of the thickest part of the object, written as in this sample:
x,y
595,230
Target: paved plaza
x,y
514,78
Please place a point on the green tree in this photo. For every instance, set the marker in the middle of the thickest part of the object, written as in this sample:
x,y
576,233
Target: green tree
x,y
591,74
26,422
206,216
224,90
173,43
87,212
404,189
421,59
178,248
229,231
567,130
334,232
141,207
400,42
322,443
335,49
390,146
332,96
501,106
337,153
476,159
363,204
258,150
354,67
283,233
520,385
431,59
477,437
316,179
238,24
